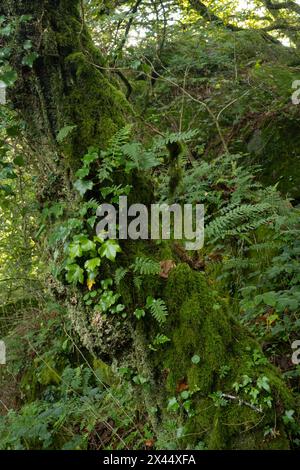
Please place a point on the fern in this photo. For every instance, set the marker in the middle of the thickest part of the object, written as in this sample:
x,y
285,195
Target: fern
x,y
159,340
117,142
171,137
158,309
137,282
111,158
120,274
145,266
139,158
243,218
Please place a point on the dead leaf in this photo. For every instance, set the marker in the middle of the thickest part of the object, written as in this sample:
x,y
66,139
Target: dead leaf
x,y
181,386
90,283
165,374
165,267
149,443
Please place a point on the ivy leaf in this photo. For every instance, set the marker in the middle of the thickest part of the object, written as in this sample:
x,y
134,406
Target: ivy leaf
x,y
25,18
288,416
82,173
83,186
27,45
5,53
173,404
6,188
6,30
139,313
75,250
91,221
64,132
88,245
8,77
92,264
90,157
7,173
29,59
109,249
74,274
263,382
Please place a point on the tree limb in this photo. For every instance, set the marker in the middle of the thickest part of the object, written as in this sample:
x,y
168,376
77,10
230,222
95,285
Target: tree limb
x,y
289,5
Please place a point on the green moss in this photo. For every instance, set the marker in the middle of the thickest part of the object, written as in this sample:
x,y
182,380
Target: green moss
x,y
93,104
68,85
104,372
198,327
200,324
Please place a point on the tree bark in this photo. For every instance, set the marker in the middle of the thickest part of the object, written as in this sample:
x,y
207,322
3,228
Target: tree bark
x,y
66,87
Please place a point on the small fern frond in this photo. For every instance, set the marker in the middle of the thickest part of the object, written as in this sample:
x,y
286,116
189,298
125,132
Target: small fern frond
x,y
244,218
158,309
120,274
137,282
145,266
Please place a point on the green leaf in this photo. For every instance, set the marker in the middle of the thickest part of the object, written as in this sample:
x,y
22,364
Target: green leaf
x,y
270,298
29,59
75,250
83,186
74,274
64,132
92,264
246,380
145,266
90,157
19,161
157,308
173,404
195,359
91,221
88,245
9,77
109,249
263,382
139,313
25,18
27,45
82,173
160,339
288,416
185,394
6,30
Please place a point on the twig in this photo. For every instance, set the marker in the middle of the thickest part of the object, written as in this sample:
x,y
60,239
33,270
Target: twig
x,y
243,402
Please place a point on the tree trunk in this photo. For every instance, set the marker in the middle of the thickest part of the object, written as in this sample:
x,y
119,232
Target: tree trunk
x,y
67,87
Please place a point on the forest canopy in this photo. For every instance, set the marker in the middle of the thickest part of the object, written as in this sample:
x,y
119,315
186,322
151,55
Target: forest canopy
x,y
139,342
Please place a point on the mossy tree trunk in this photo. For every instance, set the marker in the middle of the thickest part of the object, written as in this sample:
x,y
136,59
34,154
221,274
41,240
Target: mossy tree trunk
x,y
208,351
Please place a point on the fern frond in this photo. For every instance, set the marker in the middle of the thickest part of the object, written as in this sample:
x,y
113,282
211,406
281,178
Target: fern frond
x,y
158,309
137,282
240,219
118,141
145,266
139,158
120,274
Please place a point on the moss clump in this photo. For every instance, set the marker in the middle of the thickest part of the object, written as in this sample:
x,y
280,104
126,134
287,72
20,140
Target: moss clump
x,y
198,327
93,104
199,324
